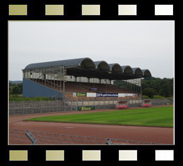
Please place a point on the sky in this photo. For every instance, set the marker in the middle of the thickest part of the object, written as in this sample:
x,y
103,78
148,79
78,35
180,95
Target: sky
x,y
144,44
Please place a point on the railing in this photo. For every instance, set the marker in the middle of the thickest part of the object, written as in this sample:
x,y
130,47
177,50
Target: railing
x,y
36,137
32,107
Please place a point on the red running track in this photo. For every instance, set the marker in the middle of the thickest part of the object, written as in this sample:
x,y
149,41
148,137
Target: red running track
x,y
162,135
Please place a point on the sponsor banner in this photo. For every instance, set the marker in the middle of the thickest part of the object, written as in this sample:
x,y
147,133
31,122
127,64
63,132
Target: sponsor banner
x,y
85,108
81,94
129,94
107,95
126,94
91,94
121,94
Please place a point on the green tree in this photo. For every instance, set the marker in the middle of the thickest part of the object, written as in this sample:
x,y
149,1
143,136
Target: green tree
x,y
16,90
145,85
20,86
150,92
163,87
165,90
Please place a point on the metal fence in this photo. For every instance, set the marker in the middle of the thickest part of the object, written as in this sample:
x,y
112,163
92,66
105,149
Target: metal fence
x,y
41,138
32,107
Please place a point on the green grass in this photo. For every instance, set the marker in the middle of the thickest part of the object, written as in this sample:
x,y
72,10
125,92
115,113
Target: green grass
x,y
20,98
159,116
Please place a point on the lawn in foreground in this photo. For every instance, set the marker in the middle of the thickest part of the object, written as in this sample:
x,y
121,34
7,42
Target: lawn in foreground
x,y
157,116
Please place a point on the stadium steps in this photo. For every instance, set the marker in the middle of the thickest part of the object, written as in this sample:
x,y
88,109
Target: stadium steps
x,y
71,87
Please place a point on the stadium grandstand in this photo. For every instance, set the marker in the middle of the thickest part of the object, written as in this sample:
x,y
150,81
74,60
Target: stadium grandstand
x,y
82,78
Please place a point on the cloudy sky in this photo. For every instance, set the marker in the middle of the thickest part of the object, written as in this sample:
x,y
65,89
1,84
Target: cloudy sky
x,y
144,44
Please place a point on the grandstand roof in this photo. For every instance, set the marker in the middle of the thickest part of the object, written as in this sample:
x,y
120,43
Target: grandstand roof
x,y
115,67
102,65
80,62
86,67
137,71
127,69
146,73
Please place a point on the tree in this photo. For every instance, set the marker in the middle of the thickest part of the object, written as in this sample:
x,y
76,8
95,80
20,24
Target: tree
x,y
16,90
150,92
165,90
20,86
145,85
163,87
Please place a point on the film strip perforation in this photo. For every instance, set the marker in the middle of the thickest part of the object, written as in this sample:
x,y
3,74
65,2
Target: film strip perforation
x,y
90,155
122,10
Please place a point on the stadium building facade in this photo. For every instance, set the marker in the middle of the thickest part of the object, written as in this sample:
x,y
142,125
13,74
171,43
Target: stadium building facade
x,y
82,77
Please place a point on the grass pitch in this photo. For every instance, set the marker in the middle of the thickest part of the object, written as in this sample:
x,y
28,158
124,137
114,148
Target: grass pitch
x,y
157,116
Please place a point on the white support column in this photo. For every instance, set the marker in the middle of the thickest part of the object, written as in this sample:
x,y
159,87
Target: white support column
x,y
64,83
60,78
141,88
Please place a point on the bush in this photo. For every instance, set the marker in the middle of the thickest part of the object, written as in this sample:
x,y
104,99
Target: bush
x,y
158,97
145,97
20,98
